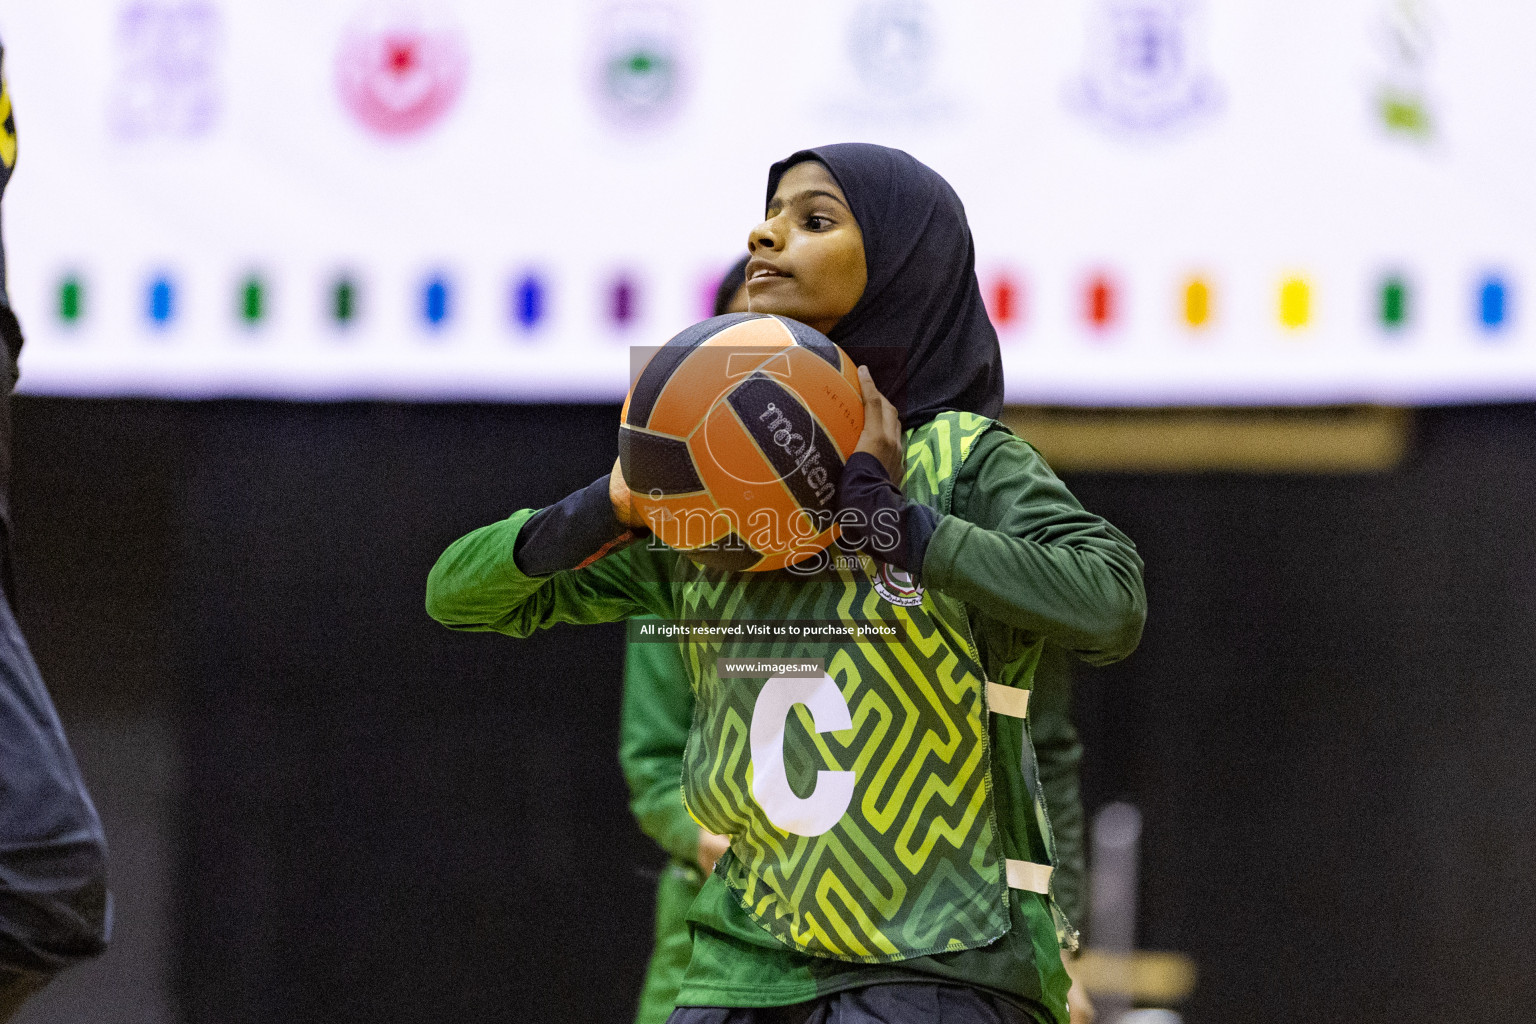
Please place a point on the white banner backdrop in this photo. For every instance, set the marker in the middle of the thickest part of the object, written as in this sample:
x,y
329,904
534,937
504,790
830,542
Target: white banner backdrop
x,y
1276,201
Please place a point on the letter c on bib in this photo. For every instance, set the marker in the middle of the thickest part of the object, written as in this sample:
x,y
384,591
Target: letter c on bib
x,y
817,813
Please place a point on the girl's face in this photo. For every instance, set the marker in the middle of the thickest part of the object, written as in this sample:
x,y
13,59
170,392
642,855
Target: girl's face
x,y
808,255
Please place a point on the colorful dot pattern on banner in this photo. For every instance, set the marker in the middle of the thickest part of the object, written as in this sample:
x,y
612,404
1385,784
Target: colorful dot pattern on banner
x,y
1295,303
1103,304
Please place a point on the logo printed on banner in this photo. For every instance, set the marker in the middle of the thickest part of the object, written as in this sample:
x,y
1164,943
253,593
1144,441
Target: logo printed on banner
x,y
893,49
892,45
1145,73
1405,41
400,70
641,66
167,80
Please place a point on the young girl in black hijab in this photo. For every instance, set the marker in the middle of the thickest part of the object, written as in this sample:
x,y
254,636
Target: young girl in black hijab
x,y
889,859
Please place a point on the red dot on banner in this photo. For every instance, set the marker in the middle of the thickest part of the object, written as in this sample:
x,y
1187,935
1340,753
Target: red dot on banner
x,y
1101,302
1005,302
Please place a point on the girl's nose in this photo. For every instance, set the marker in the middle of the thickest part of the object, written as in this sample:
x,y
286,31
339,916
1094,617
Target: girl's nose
x,y
762,237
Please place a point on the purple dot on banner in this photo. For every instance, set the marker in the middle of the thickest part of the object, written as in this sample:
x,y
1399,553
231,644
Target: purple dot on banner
x,y
624,302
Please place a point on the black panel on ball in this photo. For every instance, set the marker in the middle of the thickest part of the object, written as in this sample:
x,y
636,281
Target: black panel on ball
x,y
657,465
647,389
811,338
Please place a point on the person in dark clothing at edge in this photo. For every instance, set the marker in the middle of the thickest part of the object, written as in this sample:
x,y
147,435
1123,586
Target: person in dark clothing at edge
x,y
914,882
54,905
653,737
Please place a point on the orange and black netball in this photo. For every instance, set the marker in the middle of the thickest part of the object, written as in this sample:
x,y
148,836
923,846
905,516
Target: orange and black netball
x,y
733,439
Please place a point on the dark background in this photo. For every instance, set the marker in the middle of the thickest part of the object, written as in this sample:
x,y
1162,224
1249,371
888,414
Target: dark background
x,y
324,807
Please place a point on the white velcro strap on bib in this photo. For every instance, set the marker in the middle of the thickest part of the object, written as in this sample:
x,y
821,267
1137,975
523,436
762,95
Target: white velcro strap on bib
x,y
1007,700
1030,877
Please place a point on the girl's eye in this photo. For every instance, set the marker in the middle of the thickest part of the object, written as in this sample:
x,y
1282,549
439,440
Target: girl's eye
x,y
816,222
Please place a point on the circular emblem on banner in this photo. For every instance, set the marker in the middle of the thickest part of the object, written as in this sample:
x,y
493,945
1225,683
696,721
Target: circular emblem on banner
x,y
640,65
167,82
400,70
898,587
1146,72
891,44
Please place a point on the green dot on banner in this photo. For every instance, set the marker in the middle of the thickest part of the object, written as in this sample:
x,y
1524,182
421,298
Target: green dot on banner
x,y
253,300
71,300
344,301
1394,303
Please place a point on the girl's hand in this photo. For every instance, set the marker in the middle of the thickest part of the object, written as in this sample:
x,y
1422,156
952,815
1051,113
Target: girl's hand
x,y
711,849
882,428
623,502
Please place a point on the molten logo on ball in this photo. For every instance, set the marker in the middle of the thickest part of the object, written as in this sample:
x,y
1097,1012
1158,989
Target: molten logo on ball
x,y
399,72
798,447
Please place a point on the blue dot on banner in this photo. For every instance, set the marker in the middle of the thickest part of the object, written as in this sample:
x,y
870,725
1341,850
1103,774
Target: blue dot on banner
x,y
528,302
160,301
436,301
1493,303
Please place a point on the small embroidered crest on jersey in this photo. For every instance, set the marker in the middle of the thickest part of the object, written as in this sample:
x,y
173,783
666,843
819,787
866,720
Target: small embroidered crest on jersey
x,y
898,587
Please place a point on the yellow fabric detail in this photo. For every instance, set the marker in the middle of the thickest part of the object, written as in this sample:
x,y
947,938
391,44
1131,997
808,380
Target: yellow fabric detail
x,y
1030,877
1008,700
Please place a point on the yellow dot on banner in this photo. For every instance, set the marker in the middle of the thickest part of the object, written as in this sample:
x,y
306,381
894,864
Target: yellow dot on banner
x,y
1295,302
1197,303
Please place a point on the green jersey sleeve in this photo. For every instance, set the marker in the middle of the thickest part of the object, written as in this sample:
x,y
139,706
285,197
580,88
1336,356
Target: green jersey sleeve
x,y
653,733
1021,549
477,586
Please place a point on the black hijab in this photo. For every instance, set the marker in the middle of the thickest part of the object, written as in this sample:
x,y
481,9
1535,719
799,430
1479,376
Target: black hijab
x,y
921,325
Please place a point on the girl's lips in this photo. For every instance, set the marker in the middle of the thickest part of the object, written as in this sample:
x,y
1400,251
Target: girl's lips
x,y
757,271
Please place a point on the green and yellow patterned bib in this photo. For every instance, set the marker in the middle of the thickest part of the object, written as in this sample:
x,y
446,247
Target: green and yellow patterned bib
x,y
859,805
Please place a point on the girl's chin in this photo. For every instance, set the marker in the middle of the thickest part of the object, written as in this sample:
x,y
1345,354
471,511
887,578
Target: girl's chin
x,y
775,305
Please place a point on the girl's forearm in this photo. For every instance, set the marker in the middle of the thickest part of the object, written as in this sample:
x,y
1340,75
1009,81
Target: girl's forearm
x,y
478,585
